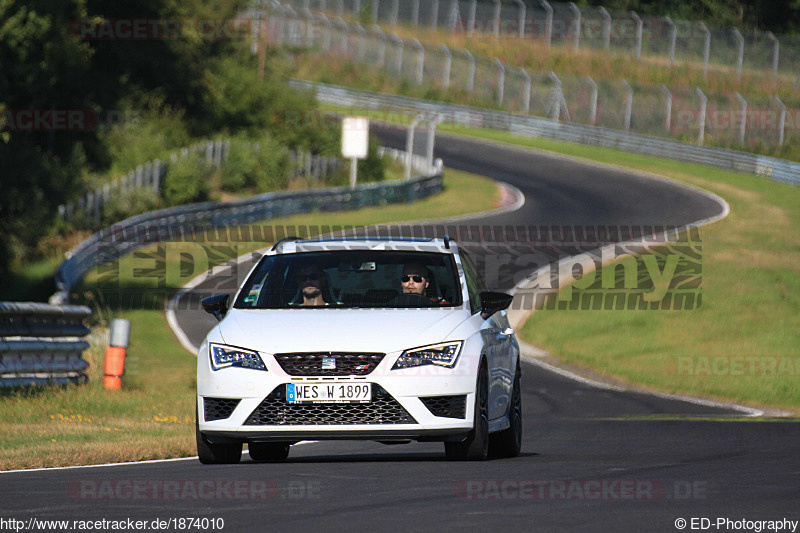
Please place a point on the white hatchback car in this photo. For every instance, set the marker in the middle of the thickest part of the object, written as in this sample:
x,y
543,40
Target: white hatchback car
x,y
385,340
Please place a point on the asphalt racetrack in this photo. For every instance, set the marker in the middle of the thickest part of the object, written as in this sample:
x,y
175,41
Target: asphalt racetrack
x,y
592,459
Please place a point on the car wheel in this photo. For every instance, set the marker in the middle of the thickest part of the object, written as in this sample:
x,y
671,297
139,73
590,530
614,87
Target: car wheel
x,y
214,454
268,452
507,443
476,446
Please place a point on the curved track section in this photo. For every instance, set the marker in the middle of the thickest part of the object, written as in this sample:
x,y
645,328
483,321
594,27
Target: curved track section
x,y
593,459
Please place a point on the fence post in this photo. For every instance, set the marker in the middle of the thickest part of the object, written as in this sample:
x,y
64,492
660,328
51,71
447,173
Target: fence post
x,y
395,12
496,19
548,29
471,71
454,15
740,54
593,102
526,91
435,14
432,124
356,8
638,22
668,107
775,51
781,121
473,6
522,17
606,28
362,44
706,47
326,39
399,47
501,80
309,26
420,60
415,12
448,61
702,125
375,7
673,35
156,176
577,37
345,31
139,176
743,125
382,47
410,144
555,105
628,105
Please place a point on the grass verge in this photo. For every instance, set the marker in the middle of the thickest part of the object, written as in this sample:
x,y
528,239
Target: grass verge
x,y
743,343
152,417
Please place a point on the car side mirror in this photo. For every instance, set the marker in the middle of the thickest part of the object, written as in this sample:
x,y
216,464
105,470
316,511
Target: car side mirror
x,y
216,305
492,302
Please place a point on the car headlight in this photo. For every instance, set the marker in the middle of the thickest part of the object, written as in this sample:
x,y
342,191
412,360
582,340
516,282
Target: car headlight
x,y
224,356
444,354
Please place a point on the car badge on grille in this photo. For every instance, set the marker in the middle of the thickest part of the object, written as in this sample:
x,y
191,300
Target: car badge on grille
x,y
362,367
328,363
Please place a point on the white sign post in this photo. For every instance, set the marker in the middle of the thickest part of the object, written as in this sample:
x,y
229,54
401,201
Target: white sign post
x,y
355,143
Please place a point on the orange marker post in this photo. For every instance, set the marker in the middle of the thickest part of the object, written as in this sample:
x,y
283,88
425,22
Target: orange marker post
x,y
114,358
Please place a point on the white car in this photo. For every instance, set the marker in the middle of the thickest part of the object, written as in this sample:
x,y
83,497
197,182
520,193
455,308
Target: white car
x,y
385,340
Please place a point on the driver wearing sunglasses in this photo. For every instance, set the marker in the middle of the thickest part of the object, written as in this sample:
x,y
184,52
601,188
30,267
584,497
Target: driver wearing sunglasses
x,y
414,279
312,282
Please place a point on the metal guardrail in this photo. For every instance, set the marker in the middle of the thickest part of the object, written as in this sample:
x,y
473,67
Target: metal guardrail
x,y
181,222
152,174
467,116
41,344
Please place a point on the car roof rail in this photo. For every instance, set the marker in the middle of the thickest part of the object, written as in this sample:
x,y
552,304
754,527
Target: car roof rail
x,y
282,241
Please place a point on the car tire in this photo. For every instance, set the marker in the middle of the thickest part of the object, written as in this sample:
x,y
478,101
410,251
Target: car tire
x,y
507,443
268,452
476,446
216,454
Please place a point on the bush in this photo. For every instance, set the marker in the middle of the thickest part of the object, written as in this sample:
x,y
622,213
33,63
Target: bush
x,y
261,166
239,170
129,203
186,181
373,168
272,169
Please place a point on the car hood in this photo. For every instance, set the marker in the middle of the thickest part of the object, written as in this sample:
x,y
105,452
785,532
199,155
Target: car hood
x,y
322,330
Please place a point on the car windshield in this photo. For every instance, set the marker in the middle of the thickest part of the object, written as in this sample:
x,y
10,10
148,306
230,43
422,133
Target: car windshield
x,y
352,278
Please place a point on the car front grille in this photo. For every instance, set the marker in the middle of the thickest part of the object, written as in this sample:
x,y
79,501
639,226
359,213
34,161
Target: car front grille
x,y
447,406
218,408
329,363
275,411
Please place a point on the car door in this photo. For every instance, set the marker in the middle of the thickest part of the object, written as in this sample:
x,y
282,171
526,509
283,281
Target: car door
x,y
496,342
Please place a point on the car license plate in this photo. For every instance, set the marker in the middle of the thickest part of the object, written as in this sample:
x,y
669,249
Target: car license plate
x,y
328,392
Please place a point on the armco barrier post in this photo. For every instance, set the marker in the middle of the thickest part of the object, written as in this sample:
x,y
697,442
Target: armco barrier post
x,y
114,359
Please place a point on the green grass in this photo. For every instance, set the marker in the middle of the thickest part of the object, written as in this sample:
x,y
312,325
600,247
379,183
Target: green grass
x,y
331,69
751,297
750,284
152,416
